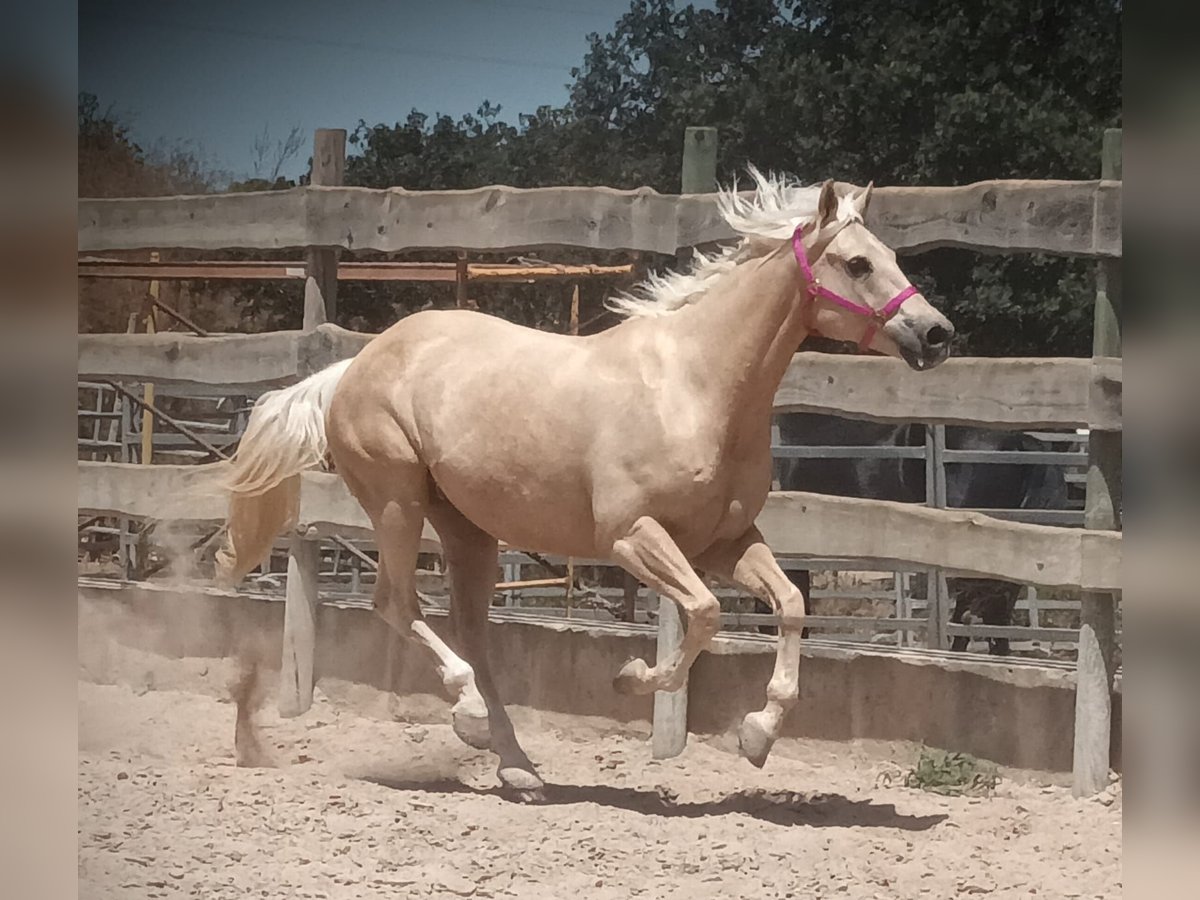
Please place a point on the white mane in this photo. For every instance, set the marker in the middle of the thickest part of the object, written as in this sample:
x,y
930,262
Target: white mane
x,y
771,213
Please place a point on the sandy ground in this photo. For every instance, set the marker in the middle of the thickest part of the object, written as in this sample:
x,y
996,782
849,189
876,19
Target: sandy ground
x,y
356,806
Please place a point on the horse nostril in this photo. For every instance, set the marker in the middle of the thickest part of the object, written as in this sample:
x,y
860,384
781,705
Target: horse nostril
x,y
937,335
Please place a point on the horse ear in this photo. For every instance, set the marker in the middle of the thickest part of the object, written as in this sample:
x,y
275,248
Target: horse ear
x,y
862,198
827,203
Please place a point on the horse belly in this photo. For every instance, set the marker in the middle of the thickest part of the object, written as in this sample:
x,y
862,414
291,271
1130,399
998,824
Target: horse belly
x,y
530,513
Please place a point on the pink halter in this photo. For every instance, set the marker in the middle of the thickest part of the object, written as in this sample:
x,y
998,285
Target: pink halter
x,y
878,317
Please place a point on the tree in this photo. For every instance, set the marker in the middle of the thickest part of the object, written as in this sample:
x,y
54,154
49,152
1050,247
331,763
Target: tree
x,y
920,92
270,157
112,164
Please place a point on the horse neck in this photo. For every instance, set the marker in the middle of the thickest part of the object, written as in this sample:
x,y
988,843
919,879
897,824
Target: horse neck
x,y
739,341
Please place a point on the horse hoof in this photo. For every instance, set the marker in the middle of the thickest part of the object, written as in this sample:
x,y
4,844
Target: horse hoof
x,y
633,678
522,785
472,729
529,798
754,740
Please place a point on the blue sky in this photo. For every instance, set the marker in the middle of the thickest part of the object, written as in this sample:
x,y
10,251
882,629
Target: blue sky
x,y
216,72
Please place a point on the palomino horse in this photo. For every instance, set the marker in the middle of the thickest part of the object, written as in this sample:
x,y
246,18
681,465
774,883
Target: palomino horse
x,y
648,444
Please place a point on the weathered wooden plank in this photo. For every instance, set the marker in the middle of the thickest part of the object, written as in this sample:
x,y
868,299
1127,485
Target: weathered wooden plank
x,y
184,493
970,543
1003,393
229,362
1062,217
263,219
795,524
1068,217
167,493
221,360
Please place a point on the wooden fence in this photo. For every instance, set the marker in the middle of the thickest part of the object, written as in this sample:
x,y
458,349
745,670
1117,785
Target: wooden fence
x,y
1059,217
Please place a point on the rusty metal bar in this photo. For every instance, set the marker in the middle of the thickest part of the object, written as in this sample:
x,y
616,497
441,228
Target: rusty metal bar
x,y
92,267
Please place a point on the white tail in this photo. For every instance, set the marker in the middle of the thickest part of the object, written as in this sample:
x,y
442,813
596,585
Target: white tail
x,y
284,437
285,434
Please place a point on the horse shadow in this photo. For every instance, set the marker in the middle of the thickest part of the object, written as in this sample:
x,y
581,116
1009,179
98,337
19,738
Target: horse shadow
x,y
787,808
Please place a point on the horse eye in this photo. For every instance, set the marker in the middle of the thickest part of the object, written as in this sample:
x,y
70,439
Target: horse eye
x,y
859,267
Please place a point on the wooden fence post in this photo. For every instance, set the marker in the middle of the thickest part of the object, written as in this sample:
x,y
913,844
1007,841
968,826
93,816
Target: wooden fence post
x,y
669,734
320,263
296,677
1097,632
461,272
699,174
320,305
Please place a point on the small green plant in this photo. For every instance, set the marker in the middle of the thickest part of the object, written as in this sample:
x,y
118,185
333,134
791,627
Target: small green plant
x,y
952,774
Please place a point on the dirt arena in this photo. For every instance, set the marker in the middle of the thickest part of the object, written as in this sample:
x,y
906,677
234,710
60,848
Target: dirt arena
x,y
367,795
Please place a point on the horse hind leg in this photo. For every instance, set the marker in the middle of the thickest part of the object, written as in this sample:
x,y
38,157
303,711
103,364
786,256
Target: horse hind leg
x,y
395,502
470,555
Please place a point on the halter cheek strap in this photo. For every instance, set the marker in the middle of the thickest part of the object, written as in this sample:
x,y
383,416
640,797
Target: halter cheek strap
x,y
814,289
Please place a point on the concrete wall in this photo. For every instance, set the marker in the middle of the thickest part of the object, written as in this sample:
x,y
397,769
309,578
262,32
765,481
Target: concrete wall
x,y
1016,715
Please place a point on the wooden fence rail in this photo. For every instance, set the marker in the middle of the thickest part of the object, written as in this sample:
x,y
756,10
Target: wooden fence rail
x,y
793,523
1059,217
999,393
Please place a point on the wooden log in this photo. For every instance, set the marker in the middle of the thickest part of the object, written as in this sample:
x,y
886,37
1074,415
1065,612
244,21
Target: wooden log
x,y
320,263
1097,647
795,524
179,317
816,525
668,737
296,675
165,492
230,363
996,393
1000,393
1067,217
1059,217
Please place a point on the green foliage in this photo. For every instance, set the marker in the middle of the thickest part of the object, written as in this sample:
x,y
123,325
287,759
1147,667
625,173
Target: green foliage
x,y
951,774
921,92
112,164
931,92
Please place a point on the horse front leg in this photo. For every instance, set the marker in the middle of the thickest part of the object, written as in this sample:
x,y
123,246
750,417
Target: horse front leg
x,y
747,562
649,554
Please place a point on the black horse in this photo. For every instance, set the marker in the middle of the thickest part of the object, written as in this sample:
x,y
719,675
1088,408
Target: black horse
x,y
975,485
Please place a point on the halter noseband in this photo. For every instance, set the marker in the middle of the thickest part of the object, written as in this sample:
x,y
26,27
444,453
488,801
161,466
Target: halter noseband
x,y
814,289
